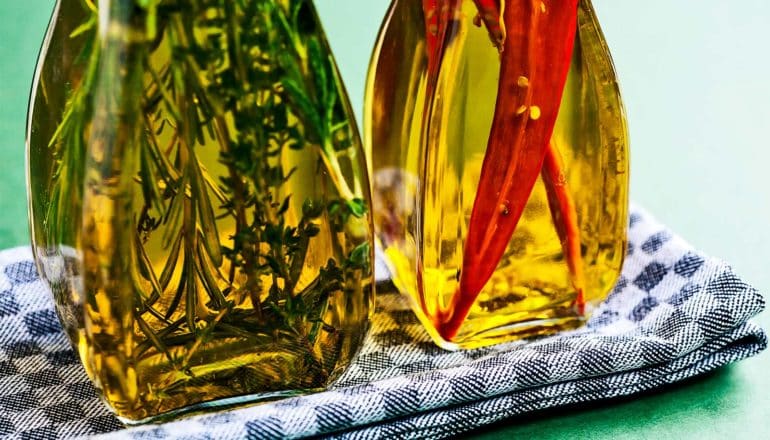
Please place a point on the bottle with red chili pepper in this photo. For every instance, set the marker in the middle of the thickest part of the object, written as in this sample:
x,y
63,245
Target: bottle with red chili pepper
x,y
499,156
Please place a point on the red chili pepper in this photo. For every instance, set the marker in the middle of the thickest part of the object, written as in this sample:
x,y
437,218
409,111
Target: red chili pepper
x,y
437,15
564,217
430,15
535,61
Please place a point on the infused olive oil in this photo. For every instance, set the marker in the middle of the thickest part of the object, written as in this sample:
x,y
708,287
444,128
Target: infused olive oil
x,y
439,96
199,201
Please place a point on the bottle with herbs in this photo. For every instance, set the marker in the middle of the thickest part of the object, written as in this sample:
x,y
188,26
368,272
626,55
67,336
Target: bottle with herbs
x,y
500,164
199,201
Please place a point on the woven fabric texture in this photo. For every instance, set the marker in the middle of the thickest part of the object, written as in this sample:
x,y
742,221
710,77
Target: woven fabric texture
x,y
675,313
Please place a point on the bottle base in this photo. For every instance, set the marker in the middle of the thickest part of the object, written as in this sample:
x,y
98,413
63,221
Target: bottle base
x,y
481,330
509,332
216,405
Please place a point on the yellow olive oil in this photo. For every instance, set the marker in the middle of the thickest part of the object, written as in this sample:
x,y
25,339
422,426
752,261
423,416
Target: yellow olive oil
x,y
199,201
427,148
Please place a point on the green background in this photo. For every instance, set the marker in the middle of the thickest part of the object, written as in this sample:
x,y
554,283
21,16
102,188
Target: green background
x,y
695,82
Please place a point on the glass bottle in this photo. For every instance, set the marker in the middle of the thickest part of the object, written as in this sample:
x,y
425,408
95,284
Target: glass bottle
x,y
199,201
434,93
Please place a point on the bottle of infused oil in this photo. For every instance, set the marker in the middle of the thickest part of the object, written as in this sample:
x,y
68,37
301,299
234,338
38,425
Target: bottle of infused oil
x,y
499,164
199,201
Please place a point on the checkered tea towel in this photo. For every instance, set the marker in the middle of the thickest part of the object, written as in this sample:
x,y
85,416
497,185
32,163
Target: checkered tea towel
x,y
674,314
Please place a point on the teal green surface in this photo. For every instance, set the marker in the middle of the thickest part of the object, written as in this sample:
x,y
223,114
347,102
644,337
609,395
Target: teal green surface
x,y
695,81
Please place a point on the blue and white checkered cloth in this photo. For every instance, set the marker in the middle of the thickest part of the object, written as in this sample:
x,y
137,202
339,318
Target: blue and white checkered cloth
x,y
675,313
